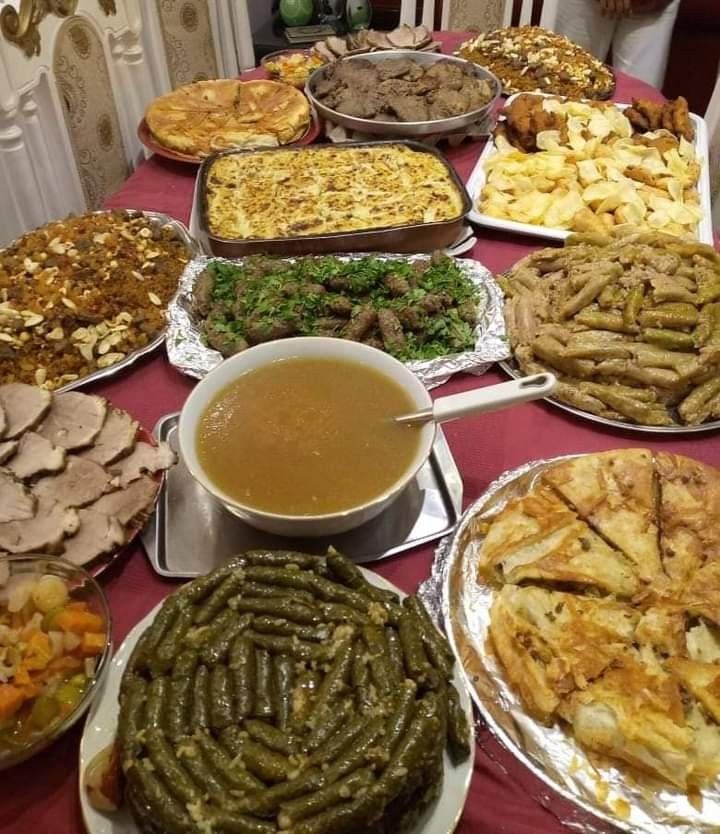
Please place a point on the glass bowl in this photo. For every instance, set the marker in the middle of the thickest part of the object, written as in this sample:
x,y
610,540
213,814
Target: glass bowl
x,y
296,79
81,588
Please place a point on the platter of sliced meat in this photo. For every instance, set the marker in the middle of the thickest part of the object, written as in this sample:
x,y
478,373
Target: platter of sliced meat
x,y
78,477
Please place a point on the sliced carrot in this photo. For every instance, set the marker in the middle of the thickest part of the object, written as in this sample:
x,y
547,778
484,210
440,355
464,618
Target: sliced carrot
x,y
11,699
91,644
78,622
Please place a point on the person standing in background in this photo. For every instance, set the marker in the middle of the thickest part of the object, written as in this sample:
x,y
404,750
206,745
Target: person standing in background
x,y
639,32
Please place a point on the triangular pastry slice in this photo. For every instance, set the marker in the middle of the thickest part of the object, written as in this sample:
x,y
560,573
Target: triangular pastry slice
x,y
634,712
552,643
701,679
615,493
538,537
689,513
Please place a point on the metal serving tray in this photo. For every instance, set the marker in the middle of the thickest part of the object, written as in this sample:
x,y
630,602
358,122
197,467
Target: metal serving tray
x,y
511,369
423,128
191,533
421,237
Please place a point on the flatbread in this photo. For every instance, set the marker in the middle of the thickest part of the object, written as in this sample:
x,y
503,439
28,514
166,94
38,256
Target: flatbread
x,y
615,493
207,116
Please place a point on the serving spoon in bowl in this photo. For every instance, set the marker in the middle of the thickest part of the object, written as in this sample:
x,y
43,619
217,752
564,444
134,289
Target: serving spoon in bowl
x,y
481,400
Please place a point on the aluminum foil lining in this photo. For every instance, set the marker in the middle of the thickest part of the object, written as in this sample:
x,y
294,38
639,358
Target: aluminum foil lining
x,y
605,798
188,352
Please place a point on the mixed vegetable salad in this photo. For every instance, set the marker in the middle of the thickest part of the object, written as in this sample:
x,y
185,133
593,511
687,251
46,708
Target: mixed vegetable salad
x,y
49,649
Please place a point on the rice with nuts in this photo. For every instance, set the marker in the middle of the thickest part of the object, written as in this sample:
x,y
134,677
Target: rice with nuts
x,y
82,293
535,60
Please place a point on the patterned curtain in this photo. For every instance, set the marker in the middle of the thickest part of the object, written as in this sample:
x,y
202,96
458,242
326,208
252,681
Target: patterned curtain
x,y
476,15
83,81
188,38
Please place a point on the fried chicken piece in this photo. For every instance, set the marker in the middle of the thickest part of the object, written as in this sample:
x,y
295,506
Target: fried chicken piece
x,y
666,118
681,119
650,110
526,117
637,119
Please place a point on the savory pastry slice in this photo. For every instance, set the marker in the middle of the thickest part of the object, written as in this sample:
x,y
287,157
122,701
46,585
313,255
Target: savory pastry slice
x,y
552,643
689,504
539,537
662,629
702,593
634,712
701,679
615,493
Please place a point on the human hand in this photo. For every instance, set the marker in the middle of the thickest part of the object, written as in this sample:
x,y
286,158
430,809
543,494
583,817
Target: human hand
x,y
616,8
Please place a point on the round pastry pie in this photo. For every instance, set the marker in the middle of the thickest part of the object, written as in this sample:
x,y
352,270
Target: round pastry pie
x,y
209,116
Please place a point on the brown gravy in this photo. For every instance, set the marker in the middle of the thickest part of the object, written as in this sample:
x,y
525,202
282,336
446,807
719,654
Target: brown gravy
x,y
306,436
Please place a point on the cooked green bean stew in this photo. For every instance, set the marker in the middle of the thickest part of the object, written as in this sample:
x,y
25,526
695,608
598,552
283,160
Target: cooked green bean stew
x,y
283,692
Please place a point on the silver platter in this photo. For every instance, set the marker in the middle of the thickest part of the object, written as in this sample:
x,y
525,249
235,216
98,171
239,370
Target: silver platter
x,y
187,351
605,798
103,373
508,365
192,533
425,128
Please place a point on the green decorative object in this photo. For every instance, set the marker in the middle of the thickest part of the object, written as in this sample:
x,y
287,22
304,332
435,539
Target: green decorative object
x,y
358,14
296,12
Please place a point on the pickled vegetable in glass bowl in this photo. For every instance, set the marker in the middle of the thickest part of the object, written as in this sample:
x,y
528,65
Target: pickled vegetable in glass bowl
x,y
54,643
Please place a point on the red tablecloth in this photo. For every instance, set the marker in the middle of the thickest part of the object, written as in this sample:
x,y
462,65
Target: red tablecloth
x,y
41,795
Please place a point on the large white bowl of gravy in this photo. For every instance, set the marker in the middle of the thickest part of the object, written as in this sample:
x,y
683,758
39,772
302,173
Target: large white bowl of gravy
x,y
297,437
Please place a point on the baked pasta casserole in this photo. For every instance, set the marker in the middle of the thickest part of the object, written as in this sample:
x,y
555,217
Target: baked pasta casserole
x,y
324,190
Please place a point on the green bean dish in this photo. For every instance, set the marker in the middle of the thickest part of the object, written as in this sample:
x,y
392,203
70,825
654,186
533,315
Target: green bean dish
x,y
414,310
283,692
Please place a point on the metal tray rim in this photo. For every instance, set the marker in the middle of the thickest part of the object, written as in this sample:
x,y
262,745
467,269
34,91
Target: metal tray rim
x,y
341,237
510,369
441,460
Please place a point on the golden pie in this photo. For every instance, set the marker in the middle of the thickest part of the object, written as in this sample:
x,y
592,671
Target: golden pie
x,y
607,613
207,116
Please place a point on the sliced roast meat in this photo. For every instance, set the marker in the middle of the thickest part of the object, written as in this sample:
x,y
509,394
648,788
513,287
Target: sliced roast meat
x,y
403,37
35,455
143,460
132,502
74,420
97,534
16,502
24,406
116,438
7,449
80,483
43,533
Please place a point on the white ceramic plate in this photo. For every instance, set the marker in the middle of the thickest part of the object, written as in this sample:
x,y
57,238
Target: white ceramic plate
x,y
440,818
477,181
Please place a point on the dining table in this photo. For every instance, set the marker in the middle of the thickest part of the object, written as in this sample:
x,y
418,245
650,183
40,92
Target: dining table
x,y
41,796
